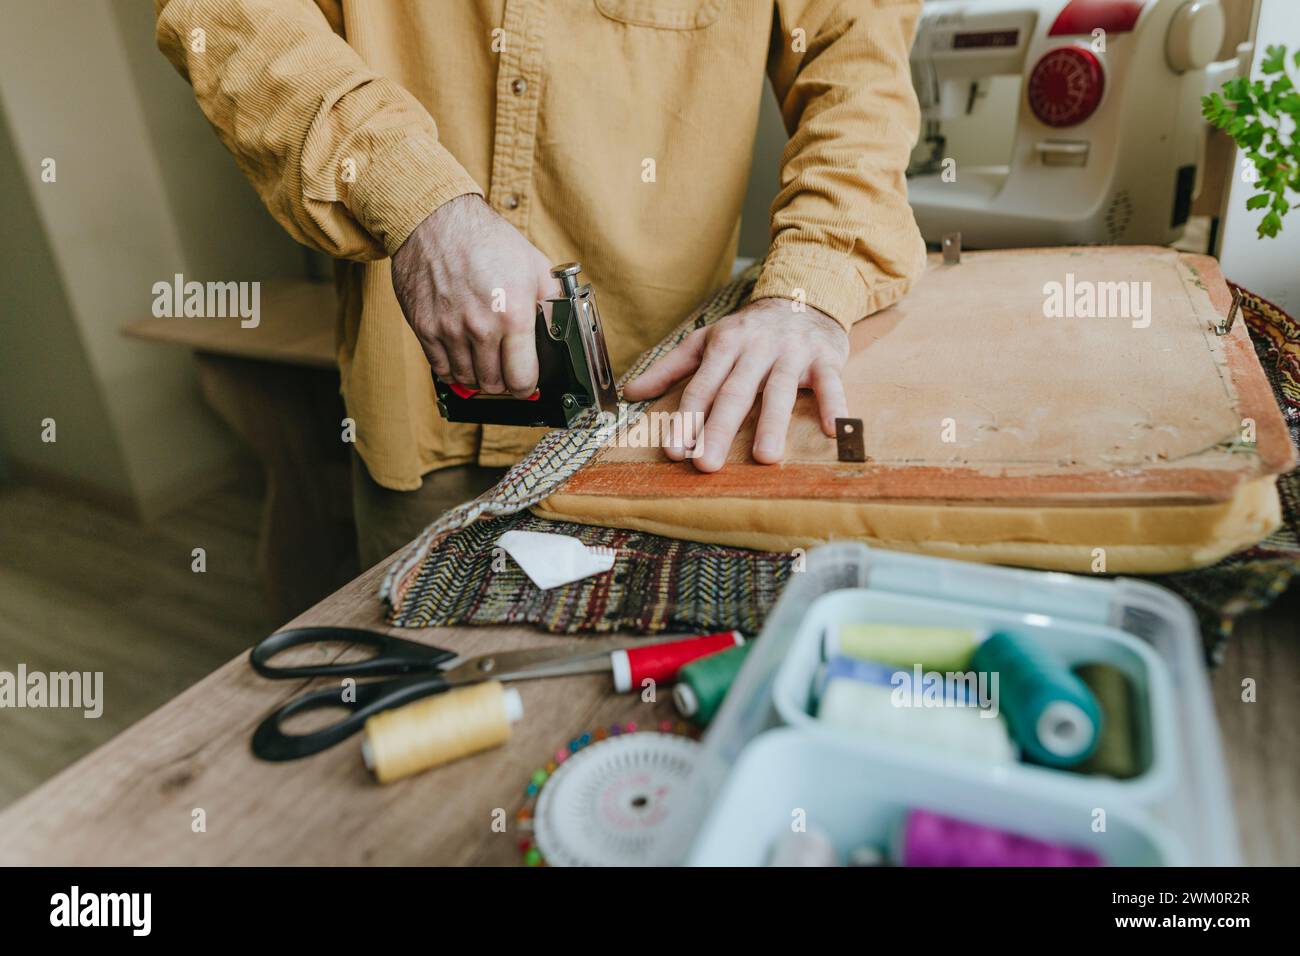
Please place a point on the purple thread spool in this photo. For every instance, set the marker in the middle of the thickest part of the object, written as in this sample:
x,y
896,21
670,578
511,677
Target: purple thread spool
x,y
930,839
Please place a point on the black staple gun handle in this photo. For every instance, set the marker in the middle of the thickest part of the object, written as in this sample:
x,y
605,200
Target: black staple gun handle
x,y
574,373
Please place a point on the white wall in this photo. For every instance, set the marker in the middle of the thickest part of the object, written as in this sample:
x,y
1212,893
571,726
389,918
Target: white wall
x,y
144,190
44,369
1267,267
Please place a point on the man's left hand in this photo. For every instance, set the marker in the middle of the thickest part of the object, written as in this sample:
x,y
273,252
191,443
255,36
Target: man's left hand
x,y
765,347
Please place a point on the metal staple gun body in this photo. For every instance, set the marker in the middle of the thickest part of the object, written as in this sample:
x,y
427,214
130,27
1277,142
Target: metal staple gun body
x,y
574,373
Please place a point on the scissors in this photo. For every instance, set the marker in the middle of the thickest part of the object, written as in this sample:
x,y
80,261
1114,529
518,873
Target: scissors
x,y
420,669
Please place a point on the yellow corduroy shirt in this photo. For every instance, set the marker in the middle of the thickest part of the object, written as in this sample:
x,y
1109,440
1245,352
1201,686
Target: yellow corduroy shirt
x,y
614,132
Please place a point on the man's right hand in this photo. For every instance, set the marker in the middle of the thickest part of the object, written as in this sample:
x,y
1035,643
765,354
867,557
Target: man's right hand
x,y
458,264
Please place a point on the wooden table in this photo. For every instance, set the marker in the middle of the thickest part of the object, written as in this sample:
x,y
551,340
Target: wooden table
x,y
277,386
133,801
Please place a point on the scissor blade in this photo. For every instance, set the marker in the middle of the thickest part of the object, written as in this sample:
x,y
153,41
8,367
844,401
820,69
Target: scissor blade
x,y
583,665
588,658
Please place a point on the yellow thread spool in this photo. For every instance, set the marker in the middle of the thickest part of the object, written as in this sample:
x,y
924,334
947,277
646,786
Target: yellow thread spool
x,y
903,645
439,729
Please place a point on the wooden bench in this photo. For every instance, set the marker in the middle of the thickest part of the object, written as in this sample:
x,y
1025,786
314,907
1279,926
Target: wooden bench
x,y
277,386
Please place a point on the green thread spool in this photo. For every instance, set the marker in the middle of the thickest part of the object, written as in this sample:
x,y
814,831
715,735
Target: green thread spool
x,y
902,645
703,683
1117,750
1052,714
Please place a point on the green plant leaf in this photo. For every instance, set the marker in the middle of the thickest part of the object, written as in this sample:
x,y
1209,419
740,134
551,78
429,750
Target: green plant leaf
x,y
1253,114
1274,60
1237,89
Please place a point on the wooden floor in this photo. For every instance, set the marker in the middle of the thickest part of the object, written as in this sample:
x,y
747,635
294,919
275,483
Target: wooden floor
x,y
82,589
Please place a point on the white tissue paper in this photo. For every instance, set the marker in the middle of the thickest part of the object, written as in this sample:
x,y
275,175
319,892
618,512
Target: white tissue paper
x,y
550,560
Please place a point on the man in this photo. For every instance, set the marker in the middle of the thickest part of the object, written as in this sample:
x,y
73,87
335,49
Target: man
x,y
613,132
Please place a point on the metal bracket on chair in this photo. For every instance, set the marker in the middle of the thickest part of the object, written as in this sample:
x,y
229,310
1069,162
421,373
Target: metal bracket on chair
x,y
1224,327
848,439
952,248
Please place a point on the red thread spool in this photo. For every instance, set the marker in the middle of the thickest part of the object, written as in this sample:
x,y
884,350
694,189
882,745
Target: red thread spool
x,y
661,662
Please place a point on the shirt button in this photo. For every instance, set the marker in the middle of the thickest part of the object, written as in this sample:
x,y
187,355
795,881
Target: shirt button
x,y
511,201
519,87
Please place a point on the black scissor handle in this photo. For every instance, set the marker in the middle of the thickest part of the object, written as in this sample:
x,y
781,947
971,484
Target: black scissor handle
x,y
270,742
393,656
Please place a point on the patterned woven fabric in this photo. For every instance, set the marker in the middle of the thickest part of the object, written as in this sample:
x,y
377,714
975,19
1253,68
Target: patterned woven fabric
x,y
447,576
656,583
556,457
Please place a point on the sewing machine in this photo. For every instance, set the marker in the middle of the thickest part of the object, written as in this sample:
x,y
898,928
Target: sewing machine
x,y
1108,134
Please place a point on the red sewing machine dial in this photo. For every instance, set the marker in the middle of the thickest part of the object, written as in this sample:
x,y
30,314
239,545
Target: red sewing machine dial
x,y
1066,86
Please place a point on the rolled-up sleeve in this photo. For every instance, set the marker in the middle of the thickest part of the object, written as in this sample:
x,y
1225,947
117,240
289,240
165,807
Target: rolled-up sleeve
x,y
843,236
345,159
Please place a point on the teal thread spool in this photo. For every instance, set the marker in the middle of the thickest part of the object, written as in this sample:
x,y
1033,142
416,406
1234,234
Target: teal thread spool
x,y
703,683
1052,714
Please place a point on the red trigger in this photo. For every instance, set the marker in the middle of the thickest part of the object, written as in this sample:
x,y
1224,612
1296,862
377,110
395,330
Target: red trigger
x,y
466,391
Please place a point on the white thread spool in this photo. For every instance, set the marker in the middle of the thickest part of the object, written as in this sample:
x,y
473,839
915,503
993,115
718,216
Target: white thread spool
x,y
868,710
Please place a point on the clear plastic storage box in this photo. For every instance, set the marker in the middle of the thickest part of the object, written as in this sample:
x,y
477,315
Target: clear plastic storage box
x,y
764,757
